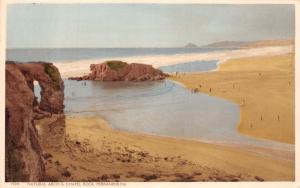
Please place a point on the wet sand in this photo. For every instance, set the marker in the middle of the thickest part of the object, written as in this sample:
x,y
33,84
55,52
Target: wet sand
x,y
87,149
263,86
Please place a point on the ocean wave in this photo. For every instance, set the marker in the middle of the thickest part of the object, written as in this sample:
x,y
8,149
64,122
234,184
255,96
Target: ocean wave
x,y
82,67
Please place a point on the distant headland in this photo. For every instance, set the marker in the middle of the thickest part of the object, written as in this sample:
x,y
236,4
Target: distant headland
x,y
191,45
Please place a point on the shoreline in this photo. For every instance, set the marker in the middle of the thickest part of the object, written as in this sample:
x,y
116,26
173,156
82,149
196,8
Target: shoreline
x,y
166,158
81,67
287,149
237,126
277,145
267,149
190,81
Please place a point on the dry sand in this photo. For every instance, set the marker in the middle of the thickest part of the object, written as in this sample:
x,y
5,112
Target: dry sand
x,y
87,149
263,86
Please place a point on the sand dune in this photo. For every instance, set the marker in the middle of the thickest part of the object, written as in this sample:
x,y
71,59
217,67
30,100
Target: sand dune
x,y
81,67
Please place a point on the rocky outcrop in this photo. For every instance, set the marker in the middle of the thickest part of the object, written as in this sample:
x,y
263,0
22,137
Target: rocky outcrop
x,y
23,154
49,79
121,71
190,45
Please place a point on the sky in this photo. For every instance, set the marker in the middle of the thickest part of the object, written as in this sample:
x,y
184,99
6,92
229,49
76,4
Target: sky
x,y
143,25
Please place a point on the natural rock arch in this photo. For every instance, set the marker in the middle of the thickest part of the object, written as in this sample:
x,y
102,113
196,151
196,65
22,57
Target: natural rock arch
x,y
23,160
49,79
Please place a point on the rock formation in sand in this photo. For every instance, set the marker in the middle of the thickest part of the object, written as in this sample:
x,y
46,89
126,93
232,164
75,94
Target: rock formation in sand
x,y
121,71
23,154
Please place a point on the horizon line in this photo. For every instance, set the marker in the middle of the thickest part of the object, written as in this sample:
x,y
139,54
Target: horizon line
x,y
183,46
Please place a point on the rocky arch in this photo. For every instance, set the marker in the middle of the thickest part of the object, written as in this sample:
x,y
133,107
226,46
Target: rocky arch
x,y
23,154
51,83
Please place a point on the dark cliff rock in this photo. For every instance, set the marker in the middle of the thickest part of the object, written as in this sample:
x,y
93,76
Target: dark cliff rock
x,y
23,154
121,71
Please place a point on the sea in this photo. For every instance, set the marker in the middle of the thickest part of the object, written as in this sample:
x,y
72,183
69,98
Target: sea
x,y
161,108
72,54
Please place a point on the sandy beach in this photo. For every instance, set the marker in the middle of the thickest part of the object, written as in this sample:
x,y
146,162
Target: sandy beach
x,y
263,86
87,149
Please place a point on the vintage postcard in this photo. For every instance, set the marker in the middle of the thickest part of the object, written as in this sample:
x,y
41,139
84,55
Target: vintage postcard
x,y
149,92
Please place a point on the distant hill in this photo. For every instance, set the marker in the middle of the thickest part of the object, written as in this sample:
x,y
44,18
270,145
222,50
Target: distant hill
x,y
227,44
190,45
250,44
261,43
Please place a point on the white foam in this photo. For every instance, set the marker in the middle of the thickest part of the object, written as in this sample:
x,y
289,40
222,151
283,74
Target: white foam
x,y
81,67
